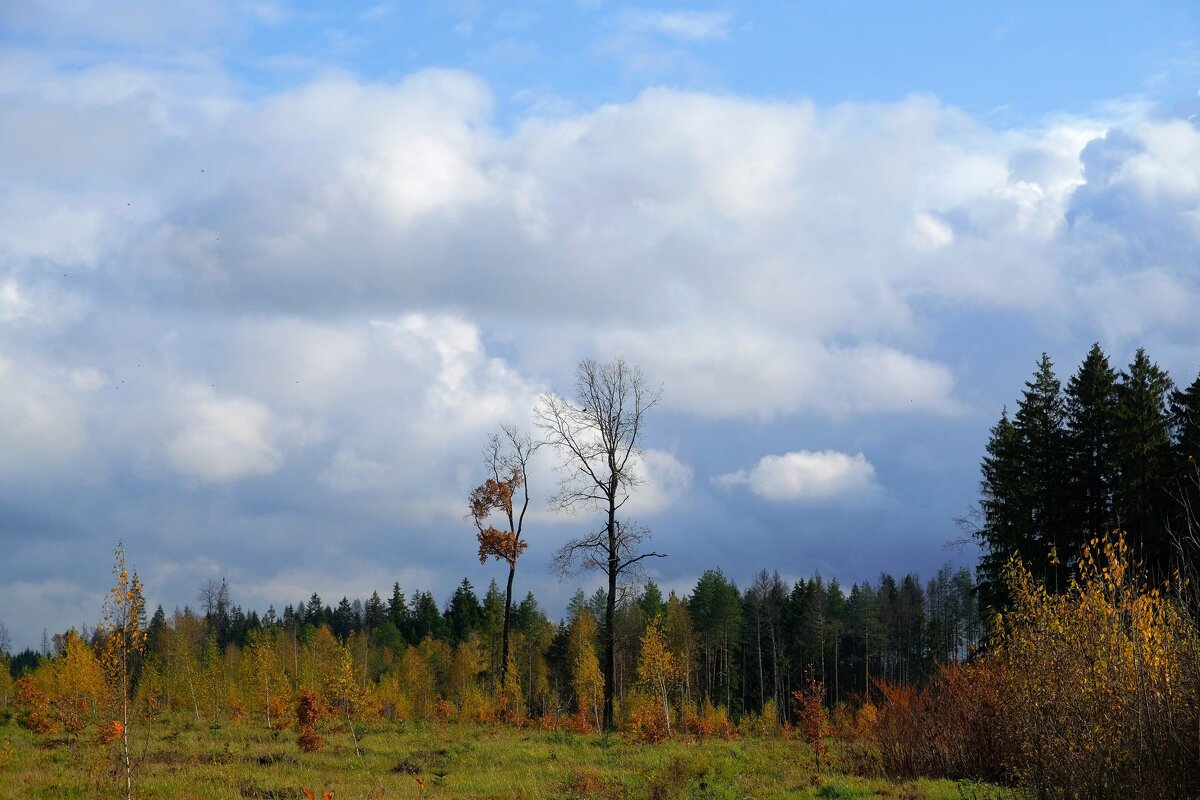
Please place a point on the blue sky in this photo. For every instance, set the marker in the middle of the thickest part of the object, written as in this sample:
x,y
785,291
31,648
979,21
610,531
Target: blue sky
x,y
270,273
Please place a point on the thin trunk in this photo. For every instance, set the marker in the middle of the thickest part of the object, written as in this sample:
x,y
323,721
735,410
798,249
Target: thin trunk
x,y
666,709
512,570
758,638
125,724
610,611
353,735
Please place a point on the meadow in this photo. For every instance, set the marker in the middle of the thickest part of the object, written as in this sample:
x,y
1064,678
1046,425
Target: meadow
x,y
175,758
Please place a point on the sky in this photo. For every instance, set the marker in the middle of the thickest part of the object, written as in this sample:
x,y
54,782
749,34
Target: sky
x,y
271,272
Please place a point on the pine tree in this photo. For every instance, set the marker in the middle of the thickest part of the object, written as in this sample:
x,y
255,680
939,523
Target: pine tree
x,y
1091,403
1025,491
344,620
464,614
1002,503
1143,458
1042,449
398,613
1184,485
375,614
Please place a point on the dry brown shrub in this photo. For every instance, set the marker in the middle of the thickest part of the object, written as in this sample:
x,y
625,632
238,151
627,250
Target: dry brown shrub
x,y
33,707
308,712
112,732
589,783
309,740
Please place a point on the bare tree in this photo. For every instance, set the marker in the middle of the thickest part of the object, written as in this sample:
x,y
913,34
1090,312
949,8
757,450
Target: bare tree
x,y
598,438
5,641
507,457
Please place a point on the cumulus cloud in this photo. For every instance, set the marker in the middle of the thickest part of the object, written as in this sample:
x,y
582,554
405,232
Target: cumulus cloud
x,y
331,292
666,481
717,371
806,476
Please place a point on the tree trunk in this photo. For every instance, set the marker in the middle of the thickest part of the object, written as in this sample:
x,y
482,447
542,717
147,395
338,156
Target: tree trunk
x,y
610,609
512,570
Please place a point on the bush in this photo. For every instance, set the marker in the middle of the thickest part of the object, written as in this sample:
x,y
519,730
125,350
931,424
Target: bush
x,y
1096,689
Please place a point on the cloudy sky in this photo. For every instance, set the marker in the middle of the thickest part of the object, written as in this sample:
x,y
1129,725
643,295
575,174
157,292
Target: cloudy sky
x,y
270,273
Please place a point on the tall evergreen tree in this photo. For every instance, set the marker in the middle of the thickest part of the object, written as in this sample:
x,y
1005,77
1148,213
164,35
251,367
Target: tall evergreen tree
x,y
375,613
1184,485
398,614
835,618
1002,501
1026,489
1143,459
716,610
426,621
1091,404
1041,437
343,620
464,613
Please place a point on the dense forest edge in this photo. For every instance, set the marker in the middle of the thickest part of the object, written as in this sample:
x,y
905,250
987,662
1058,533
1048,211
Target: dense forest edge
x,y
1069,667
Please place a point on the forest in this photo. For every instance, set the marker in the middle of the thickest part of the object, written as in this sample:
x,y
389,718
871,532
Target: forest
x,y
1072,669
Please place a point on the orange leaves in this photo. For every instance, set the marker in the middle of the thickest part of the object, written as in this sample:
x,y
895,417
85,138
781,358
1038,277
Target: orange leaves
x,y
308,711
494,495
502,545
811,718
112,732
33,707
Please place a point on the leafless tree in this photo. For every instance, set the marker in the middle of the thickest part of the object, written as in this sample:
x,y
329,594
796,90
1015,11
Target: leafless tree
x,y
598,438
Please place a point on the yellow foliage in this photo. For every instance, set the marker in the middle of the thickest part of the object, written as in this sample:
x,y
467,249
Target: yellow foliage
x,y
417,685
1094,681
75,685
588,684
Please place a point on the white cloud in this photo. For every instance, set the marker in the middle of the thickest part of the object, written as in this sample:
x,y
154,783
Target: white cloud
x,y
667,480
688,25
711,370
223,439
42,419
806,476
369,276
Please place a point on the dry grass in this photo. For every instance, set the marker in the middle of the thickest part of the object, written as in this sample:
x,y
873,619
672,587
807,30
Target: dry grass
x,y
177,759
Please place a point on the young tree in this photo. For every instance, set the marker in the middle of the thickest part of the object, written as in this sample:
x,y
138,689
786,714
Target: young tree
x,y
507,457
598,438
657,668
124,638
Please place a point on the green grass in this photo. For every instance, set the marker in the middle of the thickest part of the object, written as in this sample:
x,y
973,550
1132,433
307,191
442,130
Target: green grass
x,y
177,759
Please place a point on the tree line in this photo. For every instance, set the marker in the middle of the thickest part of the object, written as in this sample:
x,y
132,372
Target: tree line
x,y
1109,450
739,649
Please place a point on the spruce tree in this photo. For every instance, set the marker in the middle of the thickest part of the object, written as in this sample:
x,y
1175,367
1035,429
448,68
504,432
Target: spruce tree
x,y
1091,404
376,613
1042,448
1002,502
1143,459
1184,485
398,615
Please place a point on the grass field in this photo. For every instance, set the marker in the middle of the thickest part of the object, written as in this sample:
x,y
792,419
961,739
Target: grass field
x,y
176,759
